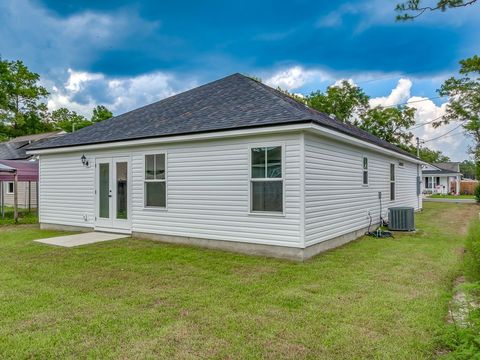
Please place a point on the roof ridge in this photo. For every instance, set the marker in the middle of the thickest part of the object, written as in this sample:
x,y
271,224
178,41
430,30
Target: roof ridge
x,y
177,94
285,98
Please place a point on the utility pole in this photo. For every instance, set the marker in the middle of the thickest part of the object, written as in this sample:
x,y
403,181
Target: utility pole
x,y
419,179
418,146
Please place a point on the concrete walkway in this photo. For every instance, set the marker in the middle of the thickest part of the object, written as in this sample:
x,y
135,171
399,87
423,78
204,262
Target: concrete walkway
x,y
81,239
450,200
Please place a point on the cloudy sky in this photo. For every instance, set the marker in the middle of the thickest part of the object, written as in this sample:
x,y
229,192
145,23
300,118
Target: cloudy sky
x,y
125,54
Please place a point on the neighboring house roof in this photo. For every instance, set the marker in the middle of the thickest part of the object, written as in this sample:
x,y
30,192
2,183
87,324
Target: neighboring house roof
x,y
5,168
15,149
37,137
439,172
233,102
24,169
449,166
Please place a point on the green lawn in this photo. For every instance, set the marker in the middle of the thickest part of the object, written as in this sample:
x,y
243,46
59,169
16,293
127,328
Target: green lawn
x,y
440,196
373,298
24,217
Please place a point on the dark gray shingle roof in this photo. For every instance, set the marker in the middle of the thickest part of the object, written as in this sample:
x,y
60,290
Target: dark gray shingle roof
x,y
233,102
13,150
449,166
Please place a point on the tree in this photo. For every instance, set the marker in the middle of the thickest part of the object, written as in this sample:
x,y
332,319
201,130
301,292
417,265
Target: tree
x,y
350,104
100,113
468,169
412,9
68,120
464,102
390,124
21,108
345,101
431,156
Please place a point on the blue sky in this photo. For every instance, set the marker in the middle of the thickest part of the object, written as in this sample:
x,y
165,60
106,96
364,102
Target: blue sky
x,y
125,54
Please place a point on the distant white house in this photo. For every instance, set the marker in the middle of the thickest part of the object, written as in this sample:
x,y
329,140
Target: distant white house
x,y
233,164
441,178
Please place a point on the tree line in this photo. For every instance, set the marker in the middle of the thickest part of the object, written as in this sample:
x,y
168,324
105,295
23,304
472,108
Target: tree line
x,y
348,103
23,110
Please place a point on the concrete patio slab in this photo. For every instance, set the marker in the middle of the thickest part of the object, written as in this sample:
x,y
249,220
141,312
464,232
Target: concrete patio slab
x,y
81,239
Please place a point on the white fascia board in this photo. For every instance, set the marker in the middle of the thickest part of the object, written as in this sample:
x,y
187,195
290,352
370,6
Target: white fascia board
x,y
174,139
361,143
228,134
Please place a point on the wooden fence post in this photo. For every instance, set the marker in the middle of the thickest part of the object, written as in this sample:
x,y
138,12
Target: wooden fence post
x,y
15,197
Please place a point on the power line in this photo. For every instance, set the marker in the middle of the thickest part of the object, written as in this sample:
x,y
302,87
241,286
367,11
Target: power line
x,y
381,78
448,132
454,134
425,123
415,101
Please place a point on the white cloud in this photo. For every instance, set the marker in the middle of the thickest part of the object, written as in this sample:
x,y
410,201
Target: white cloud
x,y
295,77
83,90
399,95
427,112
78,78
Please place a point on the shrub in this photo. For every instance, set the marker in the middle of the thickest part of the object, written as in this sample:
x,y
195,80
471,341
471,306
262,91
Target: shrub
x,y
472,255
477,193
464,340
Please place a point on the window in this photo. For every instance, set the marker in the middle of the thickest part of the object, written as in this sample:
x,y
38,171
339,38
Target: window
x,y
437,181
428,184
392,182
266,179
365,170
155,181
10,188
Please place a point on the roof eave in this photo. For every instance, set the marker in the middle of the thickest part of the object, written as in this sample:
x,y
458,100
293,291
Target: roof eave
x,y
306,125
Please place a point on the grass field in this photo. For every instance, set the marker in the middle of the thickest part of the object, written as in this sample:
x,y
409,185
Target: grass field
x,y
440,196
373,298
24,217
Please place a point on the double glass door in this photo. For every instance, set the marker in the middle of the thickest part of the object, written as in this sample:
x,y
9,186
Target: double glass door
x,y
113,193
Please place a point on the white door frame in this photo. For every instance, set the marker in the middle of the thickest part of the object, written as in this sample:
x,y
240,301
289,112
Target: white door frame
x,y
112,223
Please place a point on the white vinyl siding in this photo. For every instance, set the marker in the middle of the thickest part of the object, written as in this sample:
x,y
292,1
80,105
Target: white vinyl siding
x,y
67,190
208,191
209,183
335,204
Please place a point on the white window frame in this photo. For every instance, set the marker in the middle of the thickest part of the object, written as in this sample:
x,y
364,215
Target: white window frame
x,y
251,180
145,181
394,181
364,157
8,192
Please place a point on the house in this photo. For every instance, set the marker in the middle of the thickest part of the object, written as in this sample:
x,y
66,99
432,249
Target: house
x,y
15,150
441,178
233,164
